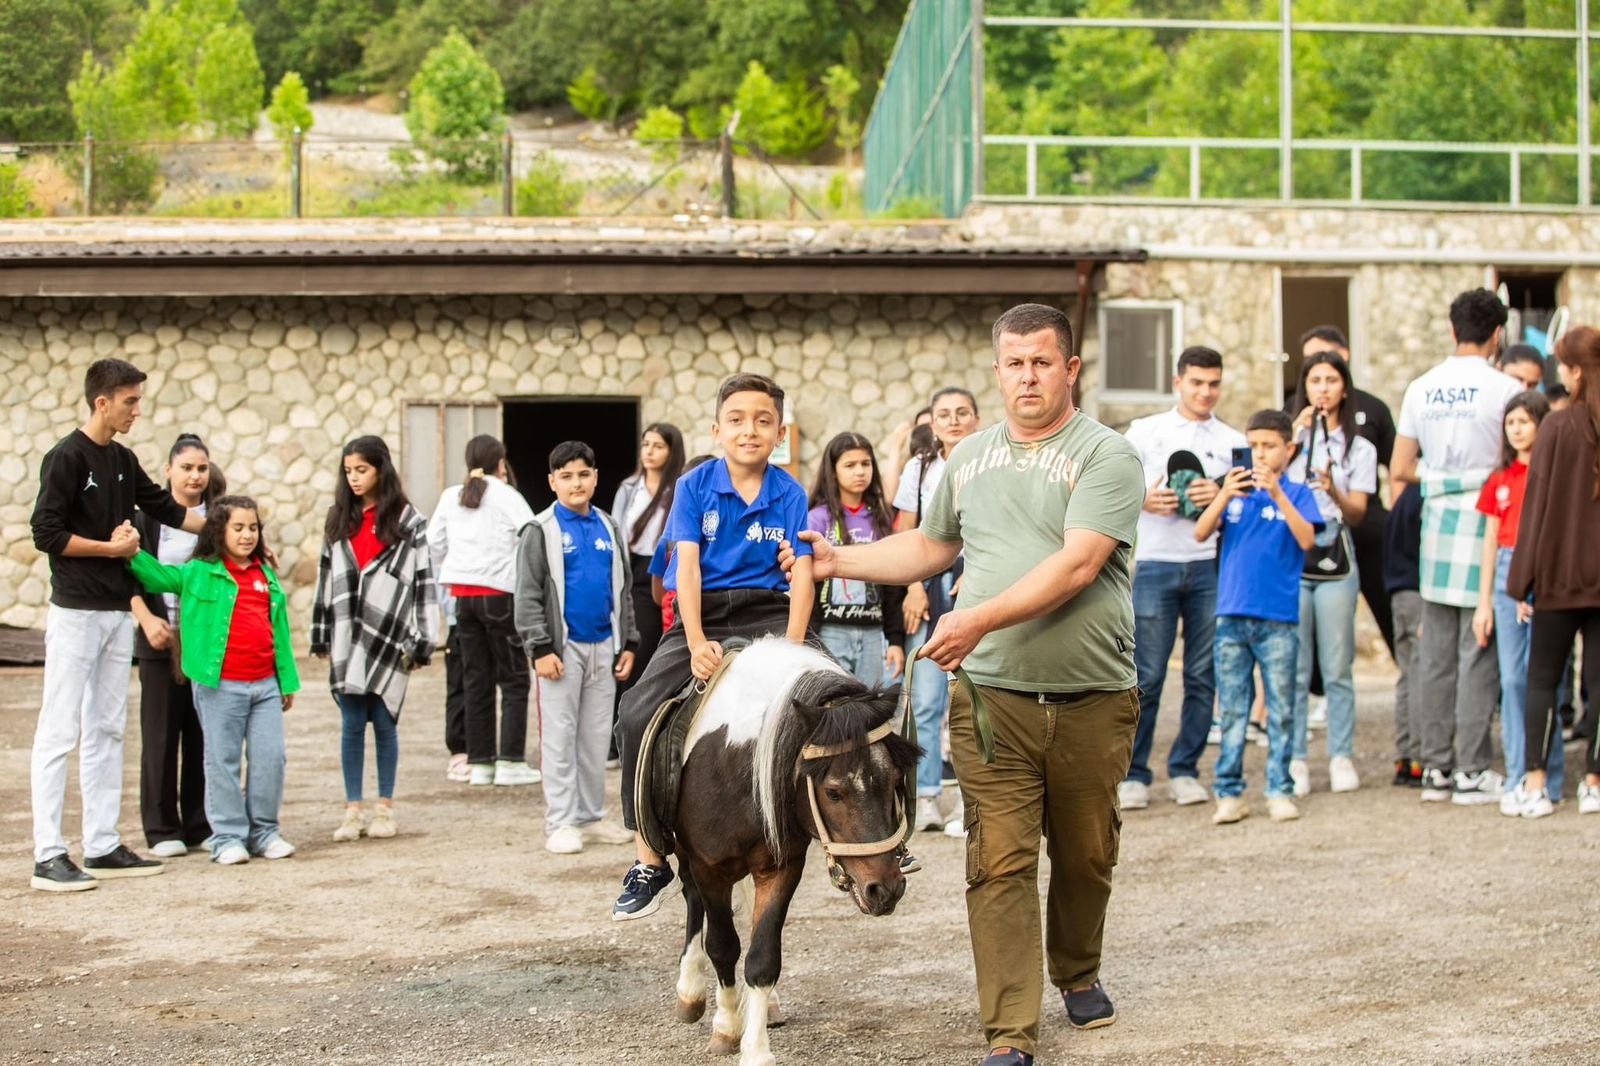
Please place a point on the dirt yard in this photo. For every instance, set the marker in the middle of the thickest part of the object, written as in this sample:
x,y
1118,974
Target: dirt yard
x,y
1373,930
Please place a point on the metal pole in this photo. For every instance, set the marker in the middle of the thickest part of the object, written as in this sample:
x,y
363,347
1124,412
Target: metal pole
x,y
977,102
1033,169
88,173
296,170
1355,174
1194,172
1516,177
1285,101
730,196
508,201
1585,195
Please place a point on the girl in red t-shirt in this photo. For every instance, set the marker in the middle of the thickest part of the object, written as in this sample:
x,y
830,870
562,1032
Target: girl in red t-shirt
x,y
1496,617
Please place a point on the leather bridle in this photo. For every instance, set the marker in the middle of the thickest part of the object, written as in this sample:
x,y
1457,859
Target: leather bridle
x,y
830,848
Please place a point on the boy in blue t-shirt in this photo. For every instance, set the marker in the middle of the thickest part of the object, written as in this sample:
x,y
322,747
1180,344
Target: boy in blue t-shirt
x,y
728,518
1265,535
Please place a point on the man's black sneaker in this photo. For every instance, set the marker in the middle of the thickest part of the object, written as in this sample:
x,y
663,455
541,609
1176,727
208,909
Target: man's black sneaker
x,y
61,874
120,863
1089,1008
1437,786
909,863
1007,1056
643,889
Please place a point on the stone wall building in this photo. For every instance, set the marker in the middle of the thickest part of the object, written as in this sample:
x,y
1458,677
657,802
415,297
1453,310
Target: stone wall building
x,y
278,342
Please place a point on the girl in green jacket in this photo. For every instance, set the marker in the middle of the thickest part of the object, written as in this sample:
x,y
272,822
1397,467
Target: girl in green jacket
x,y
237,654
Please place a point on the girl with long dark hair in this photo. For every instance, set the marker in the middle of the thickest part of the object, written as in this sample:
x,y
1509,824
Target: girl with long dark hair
x,y
1341,468
1555,563
640,508
860,623
375,618
472,538
172,780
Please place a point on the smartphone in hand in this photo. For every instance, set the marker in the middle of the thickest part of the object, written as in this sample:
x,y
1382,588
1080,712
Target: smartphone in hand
x,y
1244,458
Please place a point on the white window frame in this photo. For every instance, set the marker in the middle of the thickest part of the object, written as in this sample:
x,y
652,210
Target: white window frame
x,y
443,464
1160,394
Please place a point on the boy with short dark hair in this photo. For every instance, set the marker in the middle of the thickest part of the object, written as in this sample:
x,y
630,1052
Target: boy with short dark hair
x,y
575,618
88,488
1266,532
728,519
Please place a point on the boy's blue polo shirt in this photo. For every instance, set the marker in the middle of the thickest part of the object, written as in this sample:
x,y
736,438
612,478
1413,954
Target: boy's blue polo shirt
x,y
586,554
738,541
1261,560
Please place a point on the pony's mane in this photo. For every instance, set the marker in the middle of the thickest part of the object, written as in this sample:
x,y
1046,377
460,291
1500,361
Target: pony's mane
x,y
845,711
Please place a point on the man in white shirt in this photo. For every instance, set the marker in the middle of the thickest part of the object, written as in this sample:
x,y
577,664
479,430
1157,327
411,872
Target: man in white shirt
x,y
955,416
1174,575
1452,417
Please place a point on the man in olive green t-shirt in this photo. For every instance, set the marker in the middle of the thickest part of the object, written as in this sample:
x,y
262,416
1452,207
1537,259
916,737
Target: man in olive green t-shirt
x,y
1044,508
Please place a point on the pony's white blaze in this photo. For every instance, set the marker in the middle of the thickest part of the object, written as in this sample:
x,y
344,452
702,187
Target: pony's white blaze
x,y
756,683
754,1050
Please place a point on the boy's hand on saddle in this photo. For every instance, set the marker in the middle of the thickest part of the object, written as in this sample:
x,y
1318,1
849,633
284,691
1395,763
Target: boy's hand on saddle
x,y
624,667
705,658
548,667
822,557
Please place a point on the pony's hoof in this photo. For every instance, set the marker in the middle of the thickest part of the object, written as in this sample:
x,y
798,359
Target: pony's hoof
x,y
723,1044
692,1010
763,1058
775,1016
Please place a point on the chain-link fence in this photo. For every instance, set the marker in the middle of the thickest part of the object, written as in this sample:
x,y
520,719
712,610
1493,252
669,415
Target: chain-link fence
x,y
343,178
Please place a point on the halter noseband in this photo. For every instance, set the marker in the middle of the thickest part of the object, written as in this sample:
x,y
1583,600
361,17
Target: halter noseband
x,y
830,847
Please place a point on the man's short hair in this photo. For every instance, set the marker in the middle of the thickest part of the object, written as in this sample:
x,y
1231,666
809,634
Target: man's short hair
x,y
570,451
953,390
1024,319
1475,315
1522,353
750,383
1200,358
106,376
1332,334
1556,392
1268,419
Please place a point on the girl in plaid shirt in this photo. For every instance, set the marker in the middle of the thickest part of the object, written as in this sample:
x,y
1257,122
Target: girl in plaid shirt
x,y
375,619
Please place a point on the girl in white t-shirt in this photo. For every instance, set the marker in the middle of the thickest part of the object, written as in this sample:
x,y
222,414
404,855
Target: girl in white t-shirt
x,y
1341,469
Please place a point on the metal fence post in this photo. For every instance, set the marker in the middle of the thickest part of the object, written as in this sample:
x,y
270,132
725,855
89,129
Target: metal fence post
x,y
88,173
730,195
508,199
296,172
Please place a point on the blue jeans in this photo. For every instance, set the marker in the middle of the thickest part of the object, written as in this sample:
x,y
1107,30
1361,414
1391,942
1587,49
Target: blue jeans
x,y
930,698
357,711
859,650
242,720
1162,594
1511,646
1243,644
1328,617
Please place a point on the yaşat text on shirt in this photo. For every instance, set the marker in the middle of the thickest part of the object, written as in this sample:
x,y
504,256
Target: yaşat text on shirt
x,y
1454,412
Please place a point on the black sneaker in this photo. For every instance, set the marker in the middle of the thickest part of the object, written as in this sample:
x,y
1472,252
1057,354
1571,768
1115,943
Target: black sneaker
x,y
61,874
120,863
1402,773
1416,774
1090,1008
643,889
909,863
1007,1056
1437,786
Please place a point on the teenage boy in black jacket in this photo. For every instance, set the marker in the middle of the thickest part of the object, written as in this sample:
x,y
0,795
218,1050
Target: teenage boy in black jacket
x,y
83,520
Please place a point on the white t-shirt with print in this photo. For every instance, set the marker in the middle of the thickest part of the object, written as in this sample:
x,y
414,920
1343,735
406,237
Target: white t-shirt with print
x,y
1455,413
1354,469
1170,538
905,497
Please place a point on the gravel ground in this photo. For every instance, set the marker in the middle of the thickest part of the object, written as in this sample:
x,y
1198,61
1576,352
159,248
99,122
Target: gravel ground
x,y
1373,930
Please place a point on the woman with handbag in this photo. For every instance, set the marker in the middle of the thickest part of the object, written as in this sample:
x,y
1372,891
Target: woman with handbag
x,y
1341,469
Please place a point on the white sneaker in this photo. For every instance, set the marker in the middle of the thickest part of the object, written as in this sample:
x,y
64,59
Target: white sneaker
x,y
458,769
513,772
928,816
605,833
1133,795
480,773
955,823
1230,809
1187,791
1282,809
1317,713
1475,790
1588,799
1342,776
278,849
1214,734
564,840
232,855
1300,774
169,849
1527,804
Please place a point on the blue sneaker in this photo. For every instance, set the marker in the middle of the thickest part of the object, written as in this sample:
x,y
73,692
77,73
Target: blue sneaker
x,y
1089,1008
643,889
1007,1056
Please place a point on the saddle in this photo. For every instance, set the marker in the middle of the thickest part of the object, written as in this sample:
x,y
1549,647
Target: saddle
x,y
661,753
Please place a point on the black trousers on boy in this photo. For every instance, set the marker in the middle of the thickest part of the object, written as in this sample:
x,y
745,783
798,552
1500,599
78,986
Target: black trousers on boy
x,y
172,775
728,613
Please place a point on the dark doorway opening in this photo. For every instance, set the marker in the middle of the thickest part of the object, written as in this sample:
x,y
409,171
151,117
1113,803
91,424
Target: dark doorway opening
x,y
1532,300
532,427
1310,302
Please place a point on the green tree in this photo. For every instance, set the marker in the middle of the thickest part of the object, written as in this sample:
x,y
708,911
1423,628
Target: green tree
x,y
16,193
457,108
228,81
290,109
840,87
660,130
393,50
124,173
322,39
40,42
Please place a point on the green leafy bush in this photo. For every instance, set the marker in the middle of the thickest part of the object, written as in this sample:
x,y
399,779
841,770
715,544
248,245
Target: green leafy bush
x,y
546,192
228,83
457,105
912,207
661,130
124,174
16,193
789,120
290,109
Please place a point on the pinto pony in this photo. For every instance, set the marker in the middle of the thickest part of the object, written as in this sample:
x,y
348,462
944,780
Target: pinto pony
x,y
787,748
